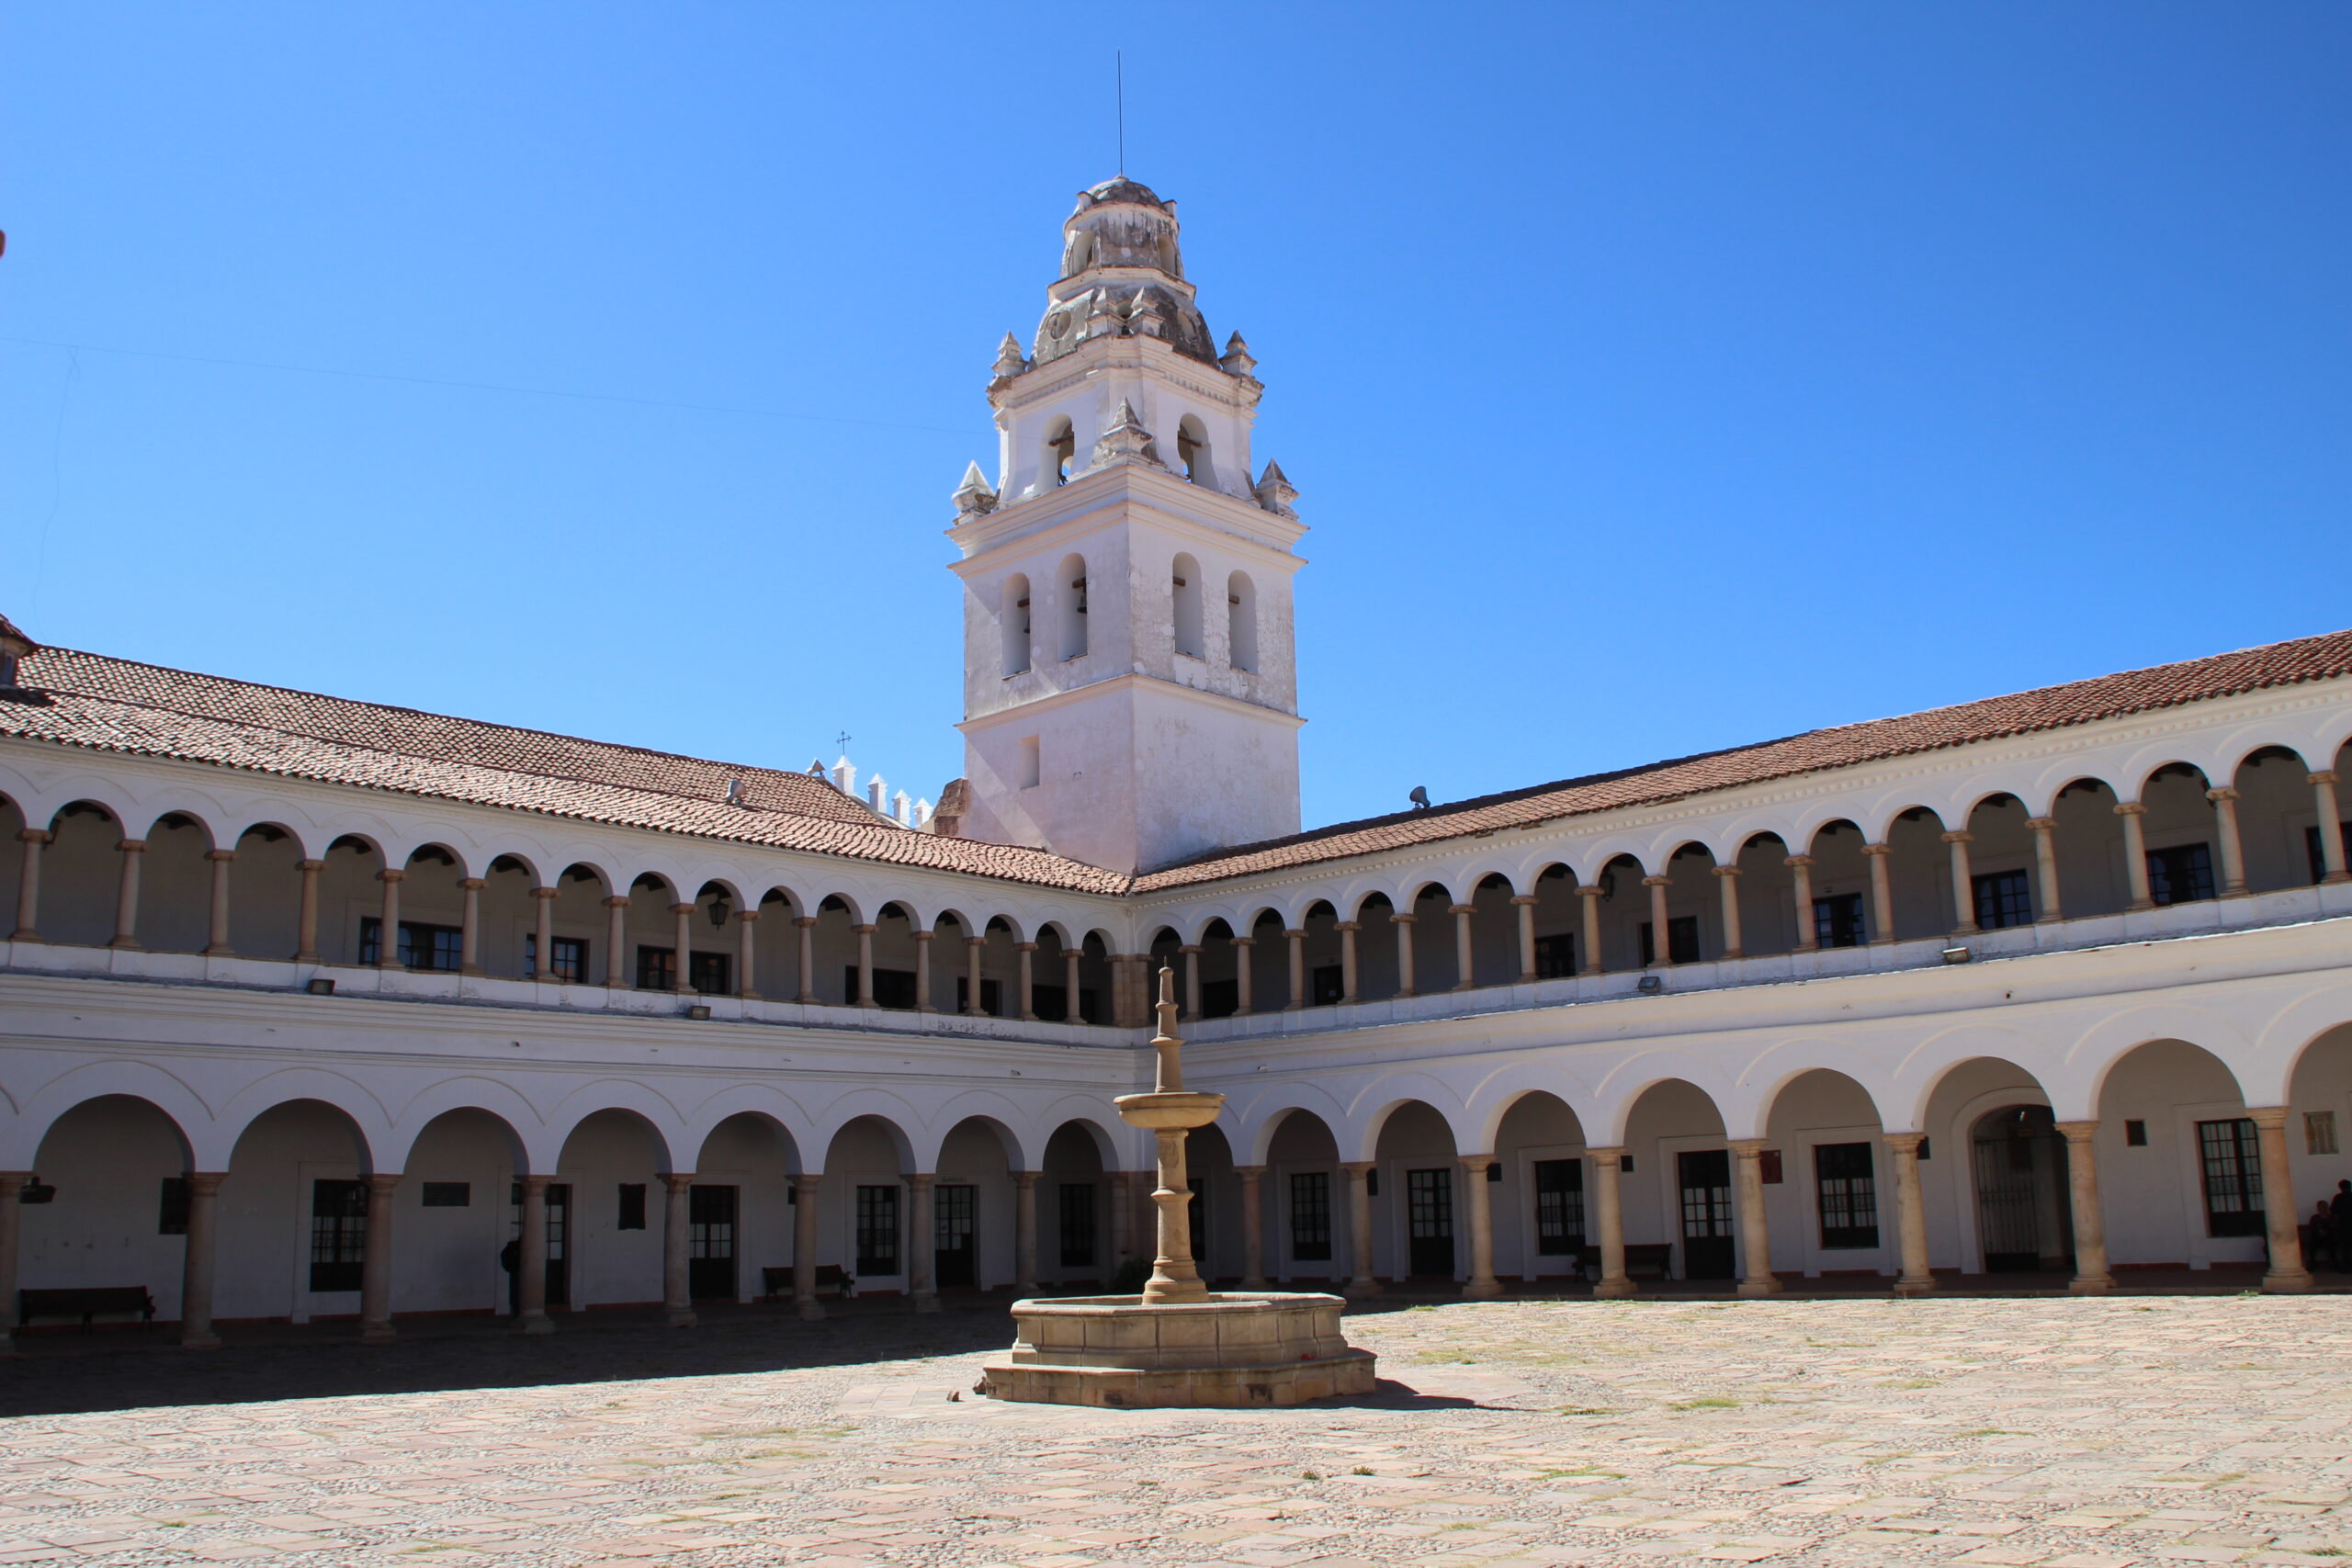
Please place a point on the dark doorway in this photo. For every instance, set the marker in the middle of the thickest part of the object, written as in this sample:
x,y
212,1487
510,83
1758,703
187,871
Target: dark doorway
x,y
1429,1224
1559,1207
1705,1178
956,1260
710,1242
338,1235
559,1238
2022,1218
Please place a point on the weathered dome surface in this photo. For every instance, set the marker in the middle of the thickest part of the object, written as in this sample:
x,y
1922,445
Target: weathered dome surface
x,y
1121,188
1121,224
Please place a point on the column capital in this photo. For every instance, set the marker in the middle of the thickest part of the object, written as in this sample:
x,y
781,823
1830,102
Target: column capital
x,y
1522,898
217,856
1347,926
2079,1131
803,921
1590,890
1748,1148
1475,1163
617,901
1250,1172
1878,849
1025,1178
2042,824
918,936
382,1180
1959,836
808,1181
1295,934
204,1180
1658,880
681,909
1359,1166
1245,941
1017,947
2324,776
923,1180
2129,808
1611,1152
534,1186
2224,793
1401,918
1904,1143
310,865
1190,950
43,836
677,1181
975,941
1724,870
544,891
866,930
2269,1115
389,875
132,846
1462,908
1799,860
473,884
747,916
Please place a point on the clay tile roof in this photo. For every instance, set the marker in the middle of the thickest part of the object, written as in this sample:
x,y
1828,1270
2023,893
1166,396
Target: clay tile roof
x,y
2051,708
116,704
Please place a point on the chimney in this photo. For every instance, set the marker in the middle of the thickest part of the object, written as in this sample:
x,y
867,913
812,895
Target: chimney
x,y
845,776
877,795
902,809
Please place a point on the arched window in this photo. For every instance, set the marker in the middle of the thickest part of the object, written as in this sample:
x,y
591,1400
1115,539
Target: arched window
x,y
1061,447
1241,613
1192,451
1073,596
1187,592
1014,618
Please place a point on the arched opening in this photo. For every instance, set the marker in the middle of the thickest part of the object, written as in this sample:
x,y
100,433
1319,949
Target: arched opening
x,y
2086,841
2319,1097
1192,451
12,862
1325,969
973,1205
1220,972
1184,588
1073,607
1559,915
1828,1188
175,899
266,893
2277,821
81,876
1766,891
2001,894
865,1203
739,1211
1692,906
2180,1162
1241,621
605,1213
1539,1218
1918,864
1270,984
1215,1209
1416,1233
1378,974
1839,878
1308,1230
1623,909
2000,1204
1678,1201
1074,1208
296,1194
1061,450
2177,829
456,1213
109,1207
1013,620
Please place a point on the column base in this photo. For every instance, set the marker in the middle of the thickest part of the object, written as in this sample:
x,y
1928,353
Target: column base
x,y
220,952
926,1304
1357,1290
2090,1285
470,971
683,1317
2287,1284
2333,879
2140,909
1256,1282
537,1323
808,1312
1909,1286
378,1334
1614,1289
127,945
204,1339
1482,1290
1766,1286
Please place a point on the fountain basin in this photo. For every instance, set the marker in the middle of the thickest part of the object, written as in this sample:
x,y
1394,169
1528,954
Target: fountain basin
x,y
1228,1349
1168,1110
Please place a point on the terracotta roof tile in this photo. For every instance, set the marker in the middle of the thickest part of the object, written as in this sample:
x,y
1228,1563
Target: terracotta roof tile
x,y
2050,707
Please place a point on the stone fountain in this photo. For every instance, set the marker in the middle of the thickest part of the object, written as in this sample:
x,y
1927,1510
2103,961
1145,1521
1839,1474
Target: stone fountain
x,y
1179,1343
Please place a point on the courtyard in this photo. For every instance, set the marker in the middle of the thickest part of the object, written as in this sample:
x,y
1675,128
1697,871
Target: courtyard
x,y
2074,1433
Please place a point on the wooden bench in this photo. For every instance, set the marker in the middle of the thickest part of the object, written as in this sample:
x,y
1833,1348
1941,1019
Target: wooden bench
x,y
1651,1257
84,1301
830,1277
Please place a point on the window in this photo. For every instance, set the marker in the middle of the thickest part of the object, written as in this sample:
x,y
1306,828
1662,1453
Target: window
x,y
2181,874
1241,618
1681,941
1051,1003
2233,1164
338,1235
657,968
171,1214
878,1230
1310,1216
1077,1224
707,973
1555,956
448,1195
1837,920
2319,860
992,996
1073,593
2319,1132
1330,984
1014,618
631,1216
433,948
1184,592
2135,1134
1192,452
2003,899
1559,1207
570,956
1032,765
1848,1190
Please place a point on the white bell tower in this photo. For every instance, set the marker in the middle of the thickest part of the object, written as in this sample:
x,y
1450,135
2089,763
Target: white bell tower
x,y
1130,697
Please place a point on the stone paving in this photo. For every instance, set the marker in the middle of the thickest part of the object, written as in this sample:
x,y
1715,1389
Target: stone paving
x,y
2063,1433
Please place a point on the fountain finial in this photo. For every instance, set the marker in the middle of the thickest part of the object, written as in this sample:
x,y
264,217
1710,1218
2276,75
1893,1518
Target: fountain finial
x,y
1170,1048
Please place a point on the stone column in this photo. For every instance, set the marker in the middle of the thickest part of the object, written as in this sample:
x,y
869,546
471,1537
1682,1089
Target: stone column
x,y
470,925
1608,1213
1881,895
1756,1278
1241,977
2045,865
1524,903
1963,884
1662,947
1191,956
1359,1174
126,894
196,1262
12,1186
1591,900
617,965
1481,1203
306,937
531,1261
2225,823
1024,1231
1347,930
1465,960
376,1261
1910,1214
542,933
682,916
747,956
808,1188
2287,1273
1296,939
388,928
216,941
1253,1227
2091,1277
805,980
1808,923
923,1241
865,963
28,885
1727,881
2135,853
2331,827
1404,924
677,1275
1071,956
1025,981
973,945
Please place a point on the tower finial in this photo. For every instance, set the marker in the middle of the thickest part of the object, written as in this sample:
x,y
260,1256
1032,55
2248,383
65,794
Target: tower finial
x,y
1119,74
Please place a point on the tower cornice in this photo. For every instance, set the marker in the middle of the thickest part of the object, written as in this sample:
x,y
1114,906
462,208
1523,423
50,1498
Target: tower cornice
x,y
1155,494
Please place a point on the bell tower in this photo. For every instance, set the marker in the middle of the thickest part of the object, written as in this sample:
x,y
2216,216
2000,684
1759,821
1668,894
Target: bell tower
x,y
1130,695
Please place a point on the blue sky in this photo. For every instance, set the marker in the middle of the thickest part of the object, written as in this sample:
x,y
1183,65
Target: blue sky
x,y
1657,376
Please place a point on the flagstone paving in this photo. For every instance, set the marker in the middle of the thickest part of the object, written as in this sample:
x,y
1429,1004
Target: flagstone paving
x,y
2060,1432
